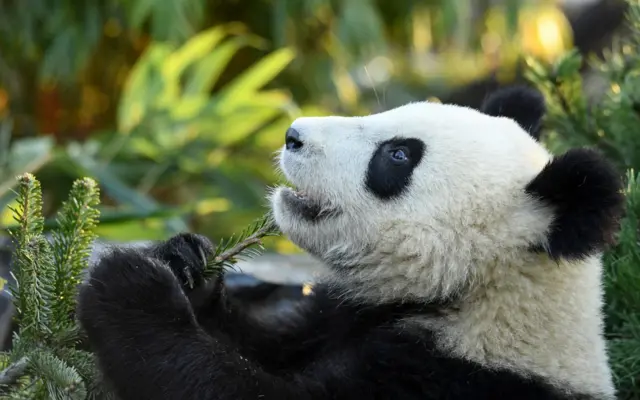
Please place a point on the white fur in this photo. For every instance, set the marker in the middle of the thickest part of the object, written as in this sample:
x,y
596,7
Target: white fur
x,y
462,228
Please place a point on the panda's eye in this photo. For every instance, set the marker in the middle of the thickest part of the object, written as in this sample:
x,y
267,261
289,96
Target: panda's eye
x,y
399,156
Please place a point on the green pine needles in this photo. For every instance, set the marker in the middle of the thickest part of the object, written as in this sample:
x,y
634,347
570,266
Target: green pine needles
x,y
230,251
622,286
43,362
607,119
47,359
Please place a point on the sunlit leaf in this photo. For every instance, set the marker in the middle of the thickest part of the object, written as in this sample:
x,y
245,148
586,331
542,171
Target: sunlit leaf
x,y
141,87
205,72
239,125
255,77
189,107
194,49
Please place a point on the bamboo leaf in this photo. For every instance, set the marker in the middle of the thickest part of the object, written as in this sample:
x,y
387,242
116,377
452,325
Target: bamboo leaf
x,y
142,87
258,75
193,50
206,72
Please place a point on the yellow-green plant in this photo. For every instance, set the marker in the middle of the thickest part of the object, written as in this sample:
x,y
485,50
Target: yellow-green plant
x,y
47,359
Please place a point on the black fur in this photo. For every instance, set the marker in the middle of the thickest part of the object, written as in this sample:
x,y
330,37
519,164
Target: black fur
x,y
585,192
152,343
387,180
524,105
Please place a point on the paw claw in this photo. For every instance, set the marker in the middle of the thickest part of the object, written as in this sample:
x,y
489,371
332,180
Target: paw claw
x,y
186,254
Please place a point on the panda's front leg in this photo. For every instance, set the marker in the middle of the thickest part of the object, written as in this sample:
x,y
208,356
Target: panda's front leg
x,y
142,328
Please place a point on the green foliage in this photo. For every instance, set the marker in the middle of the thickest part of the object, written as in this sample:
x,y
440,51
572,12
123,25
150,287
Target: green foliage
x,y
34,293
623,297
72,244
174,119
228,252
46,278
608,121
166,103
176,125
46,361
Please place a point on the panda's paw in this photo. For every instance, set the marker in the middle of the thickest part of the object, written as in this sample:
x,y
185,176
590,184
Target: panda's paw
x,y
127,291
186,254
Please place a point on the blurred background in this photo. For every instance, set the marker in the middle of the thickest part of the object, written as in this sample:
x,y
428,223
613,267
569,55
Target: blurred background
x,y
177,107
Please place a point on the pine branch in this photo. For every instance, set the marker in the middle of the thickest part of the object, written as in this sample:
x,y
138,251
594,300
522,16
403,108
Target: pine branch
x,y
46,360
13,372
72,242
61,380
33,288
226,253
28,215
36,290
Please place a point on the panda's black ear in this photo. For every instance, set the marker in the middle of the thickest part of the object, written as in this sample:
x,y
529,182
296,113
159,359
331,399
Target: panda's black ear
x,y
585,192
523,104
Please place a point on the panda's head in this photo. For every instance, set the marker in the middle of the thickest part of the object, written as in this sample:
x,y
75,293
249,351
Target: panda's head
x,y
424,200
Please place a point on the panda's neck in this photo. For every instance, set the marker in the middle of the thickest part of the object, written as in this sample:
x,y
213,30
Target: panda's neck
x,y
547,322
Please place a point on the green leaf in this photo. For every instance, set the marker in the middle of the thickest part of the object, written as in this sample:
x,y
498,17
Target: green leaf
x,y
258,75
142,88
189,107
193,50
205,73
235,126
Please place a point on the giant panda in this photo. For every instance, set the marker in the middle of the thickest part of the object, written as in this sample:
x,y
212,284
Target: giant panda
x,y
464,259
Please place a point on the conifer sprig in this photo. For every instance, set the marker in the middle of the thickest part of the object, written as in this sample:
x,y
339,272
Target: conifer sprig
x,y
28,213
45,361
229,251
14,371
72,243
60,380
46,364
33,288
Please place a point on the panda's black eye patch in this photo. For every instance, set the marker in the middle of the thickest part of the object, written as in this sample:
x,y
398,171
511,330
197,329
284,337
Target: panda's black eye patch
x,y
391,166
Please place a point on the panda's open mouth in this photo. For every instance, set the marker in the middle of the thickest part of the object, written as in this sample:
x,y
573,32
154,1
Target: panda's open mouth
x,y
308,207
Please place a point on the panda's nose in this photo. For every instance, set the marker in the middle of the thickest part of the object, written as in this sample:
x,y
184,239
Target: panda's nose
x,y
292,140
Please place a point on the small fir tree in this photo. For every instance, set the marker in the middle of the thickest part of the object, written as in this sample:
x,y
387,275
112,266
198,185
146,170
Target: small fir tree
x,y
47,360
611,123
